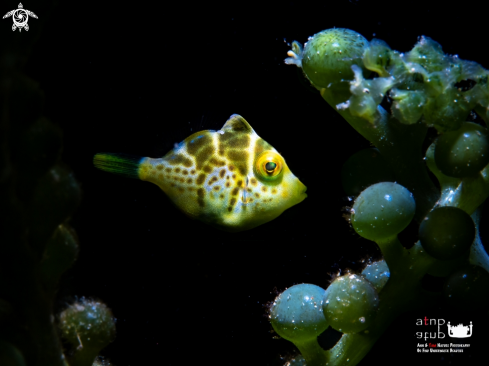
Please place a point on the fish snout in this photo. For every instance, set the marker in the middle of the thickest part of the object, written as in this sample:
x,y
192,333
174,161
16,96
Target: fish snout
x,y
301,189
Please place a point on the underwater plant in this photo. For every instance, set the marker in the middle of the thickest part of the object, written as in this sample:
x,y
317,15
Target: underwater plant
x,y
393,100
38,196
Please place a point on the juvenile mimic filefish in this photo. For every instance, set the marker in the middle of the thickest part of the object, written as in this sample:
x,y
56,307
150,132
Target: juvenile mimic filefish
x,y
231,179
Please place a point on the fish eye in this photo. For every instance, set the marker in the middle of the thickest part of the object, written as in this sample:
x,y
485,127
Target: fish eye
x,y
268,165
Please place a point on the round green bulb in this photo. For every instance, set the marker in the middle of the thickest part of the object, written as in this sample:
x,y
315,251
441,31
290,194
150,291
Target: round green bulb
x,y
328,56
350,303
87,324
377,273
297,313
447,232
56,197
382,211
59,255
466,288
464,152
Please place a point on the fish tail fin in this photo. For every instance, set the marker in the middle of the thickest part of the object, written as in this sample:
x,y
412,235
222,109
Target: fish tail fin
x,y
121,164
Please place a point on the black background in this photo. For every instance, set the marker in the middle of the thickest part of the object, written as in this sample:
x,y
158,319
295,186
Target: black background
x,y
137,77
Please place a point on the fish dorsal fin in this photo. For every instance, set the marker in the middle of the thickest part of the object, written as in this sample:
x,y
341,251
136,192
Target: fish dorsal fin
x,y
236,123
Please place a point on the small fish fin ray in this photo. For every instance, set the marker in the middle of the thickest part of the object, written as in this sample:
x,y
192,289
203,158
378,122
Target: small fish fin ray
x,y
121,164
236,123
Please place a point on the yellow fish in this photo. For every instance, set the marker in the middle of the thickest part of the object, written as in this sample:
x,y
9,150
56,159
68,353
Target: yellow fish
x,y
231,179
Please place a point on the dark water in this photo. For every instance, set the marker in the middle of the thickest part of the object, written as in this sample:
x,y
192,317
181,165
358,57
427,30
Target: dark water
x,y
138,77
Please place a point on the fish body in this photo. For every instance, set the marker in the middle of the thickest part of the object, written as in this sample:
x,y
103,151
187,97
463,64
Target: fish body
x,y
231,179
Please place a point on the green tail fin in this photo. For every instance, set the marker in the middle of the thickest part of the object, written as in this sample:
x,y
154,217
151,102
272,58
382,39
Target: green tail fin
x,y
121,164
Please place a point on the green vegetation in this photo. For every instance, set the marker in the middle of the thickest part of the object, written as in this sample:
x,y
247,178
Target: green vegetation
x,y
38,196
426,89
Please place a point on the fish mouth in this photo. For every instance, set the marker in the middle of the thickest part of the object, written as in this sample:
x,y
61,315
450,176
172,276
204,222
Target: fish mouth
x,y
302,195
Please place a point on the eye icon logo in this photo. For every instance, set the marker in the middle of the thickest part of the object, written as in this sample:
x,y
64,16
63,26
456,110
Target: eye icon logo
x,y
20,17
